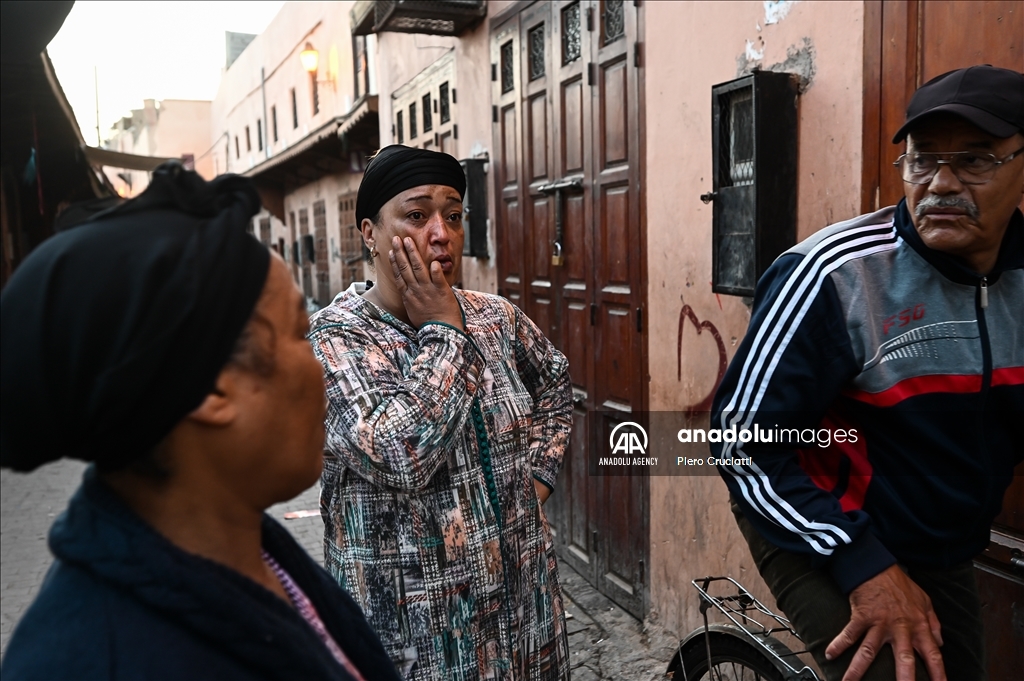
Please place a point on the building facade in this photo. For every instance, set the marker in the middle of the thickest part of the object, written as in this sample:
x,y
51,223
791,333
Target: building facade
x,y
296,111
170,128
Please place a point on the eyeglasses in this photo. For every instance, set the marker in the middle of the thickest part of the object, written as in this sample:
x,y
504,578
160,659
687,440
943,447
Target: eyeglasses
x,y
919,167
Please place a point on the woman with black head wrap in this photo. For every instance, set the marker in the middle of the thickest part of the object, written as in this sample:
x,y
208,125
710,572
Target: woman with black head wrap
x,y
449,413
165,345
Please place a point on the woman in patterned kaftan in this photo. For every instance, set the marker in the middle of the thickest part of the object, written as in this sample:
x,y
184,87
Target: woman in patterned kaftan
x,y
449,413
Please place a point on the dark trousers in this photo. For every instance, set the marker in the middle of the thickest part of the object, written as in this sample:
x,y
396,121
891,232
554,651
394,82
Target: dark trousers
x,y
818,610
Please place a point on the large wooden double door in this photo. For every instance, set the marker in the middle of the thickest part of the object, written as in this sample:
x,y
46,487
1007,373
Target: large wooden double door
x,y
569,241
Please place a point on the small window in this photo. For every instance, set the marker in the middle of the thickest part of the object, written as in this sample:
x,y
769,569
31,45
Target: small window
x,y
412,121
248,139
238,151
428,117
259,134
399,127
571,33
446,114
508,82
536,40
273,121
295,110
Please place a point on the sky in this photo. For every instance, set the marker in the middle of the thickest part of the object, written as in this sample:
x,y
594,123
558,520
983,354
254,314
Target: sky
x,y
146,50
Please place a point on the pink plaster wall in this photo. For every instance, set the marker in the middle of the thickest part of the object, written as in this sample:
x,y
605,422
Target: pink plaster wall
x,y
691,46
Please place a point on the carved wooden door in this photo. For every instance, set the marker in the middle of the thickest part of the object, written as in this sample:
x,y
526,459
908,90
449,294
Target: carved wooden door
x,y
909,42
566,140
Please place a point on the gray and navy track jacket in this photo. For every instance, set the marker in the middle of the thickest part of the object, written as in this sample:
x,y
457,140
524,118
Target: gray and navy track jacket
x,y
863,328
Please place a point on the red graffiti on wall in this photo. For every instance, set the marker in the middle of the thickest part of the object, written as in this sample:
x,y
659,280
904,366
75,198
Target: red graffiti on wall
x,y
687,313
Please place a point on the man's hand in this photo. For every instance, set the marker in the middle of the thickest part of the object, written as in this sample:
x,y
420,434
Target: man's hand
x,y
891,608
425,292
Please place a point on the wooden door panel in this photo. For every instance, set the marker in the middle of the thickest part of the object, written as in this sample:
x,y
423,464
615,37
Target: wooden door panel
x,y
613,247
576,341
541,234
572,126
614,102
614,386
537,139
509,147
575,243
945,45
577,520
512,286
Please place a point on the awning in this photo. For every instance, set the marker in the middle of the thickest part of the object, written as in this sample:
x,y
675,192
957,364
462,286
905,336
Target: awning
x,y
118,159
311,142
362,121
337,146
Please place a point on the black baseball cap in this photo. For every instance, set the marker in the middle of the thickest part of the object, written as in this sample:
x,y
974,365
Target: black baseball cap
x,y
989,97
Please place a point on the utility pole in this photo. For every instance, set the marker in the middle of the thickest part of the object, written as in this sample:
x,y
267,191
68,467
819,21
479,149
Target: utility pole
x,y
96,82
266,124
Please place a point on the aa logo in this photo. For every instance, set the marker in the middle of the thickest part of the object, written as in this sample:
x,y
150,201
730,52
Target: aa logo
x,y
628,438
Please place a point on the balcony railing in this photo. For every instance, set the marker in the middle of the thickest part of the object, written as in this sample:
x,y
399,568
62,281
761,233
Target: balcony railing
x,y
436,17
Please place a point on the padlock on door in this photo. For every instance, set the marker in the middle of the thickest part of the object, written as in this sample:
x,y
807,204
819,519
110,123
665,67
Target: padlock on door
x,y
556,258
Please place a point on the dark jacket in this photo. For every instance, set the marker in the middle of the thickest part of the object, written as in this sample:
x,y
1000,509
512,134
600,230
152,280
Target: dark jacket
x,y
122,602
862,327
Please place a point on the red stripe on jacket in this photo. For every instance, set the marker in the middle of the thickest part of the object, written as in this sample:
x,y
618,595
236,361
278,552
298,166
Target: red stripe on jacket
x,y
936,383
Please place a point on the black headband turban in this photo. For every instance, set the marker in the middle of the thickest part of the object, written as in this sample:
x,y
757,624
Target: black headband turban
x,y
397,168
115,330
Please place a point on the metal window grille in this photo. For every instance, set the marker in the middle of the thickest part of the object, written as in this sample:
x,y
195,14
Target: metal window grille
x,y
413,127
571,33
536,40
445,108
741,138
399,127
507,68
613,24
428,118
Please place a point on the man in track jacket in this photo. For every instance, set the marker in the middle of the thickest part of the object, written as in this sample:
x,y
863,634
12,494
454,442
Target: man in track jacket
x,y
893,344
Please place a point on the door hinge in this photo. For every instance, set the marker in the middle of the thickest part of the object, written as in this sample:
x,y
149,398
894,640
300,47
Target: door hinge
x,y
593,314
639,320
641,572
636,54
591,73
494,114
455,131
494,72
590,18
455,97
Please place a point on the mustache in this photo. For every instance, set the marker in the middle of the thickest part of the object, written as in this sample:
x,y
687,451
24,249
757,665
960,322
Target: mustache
x,y
933,201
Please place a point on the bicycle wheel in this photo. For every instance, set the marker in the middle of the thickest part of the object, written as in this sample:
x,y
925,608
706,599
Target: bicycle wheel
x,y
731,660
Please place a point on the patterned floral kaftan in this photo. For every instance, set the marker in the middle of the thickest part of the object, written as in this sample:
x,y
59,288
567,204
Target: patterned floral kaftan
x,y
432,522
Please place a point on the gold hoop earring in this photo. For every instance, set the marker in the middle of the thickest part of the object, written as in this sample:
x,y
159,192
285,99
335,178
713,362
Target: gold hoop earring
x,y
373,251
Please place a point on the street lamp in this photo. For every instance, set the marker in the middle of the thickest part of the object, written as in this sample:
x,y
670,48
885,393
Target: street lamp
x,y
310,58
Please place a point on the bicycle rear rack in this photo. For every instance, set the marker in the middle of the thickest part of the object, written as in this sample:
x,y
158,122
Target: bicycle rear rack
x,y
756,620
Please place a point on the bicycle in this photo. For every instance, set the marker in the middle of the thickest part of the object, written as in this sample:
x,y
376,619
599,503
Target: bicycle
x,y
746,649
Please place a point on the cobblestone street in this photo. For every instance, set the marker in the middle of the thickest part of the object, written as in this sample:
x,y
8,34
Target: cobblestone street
x,y
605,642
